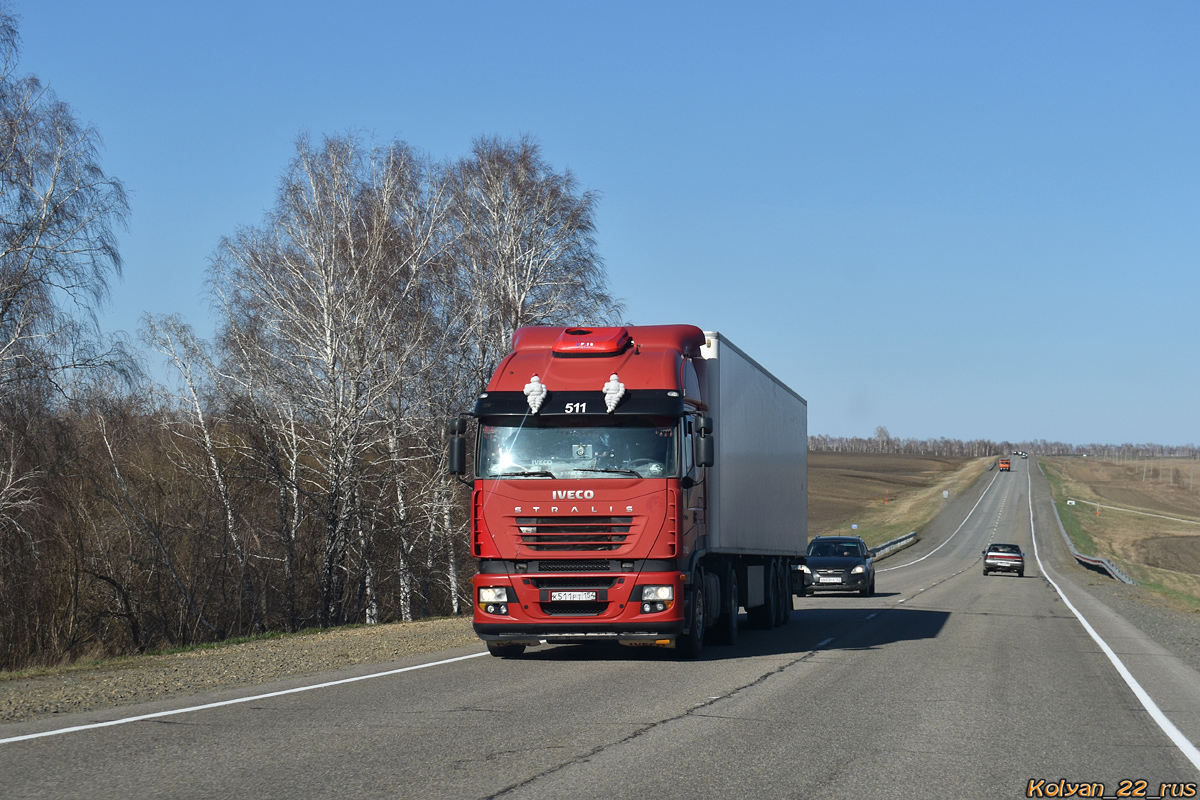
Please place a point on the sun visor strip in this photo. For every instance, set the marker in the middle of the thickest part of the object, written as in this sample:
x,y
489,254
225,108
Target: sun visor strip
x,y
651,402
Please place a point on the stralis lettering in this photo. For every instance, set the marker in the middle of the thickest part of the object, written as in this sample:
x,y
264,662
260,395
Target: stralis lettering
x,y
574,509
573,494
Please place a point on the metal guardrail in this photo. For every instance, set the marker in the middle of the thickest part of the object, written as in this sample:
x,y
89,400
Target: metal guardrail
x,y
899,543
1089,561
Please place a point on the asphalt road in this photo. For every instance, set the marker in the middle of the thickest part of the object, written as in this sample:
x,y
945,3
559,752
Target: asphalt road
x,y
945,684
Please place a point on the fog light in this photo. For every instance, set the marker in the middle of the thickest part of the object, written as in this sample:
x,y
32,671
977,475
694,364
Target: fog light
x,y
503,609
645,608
490,608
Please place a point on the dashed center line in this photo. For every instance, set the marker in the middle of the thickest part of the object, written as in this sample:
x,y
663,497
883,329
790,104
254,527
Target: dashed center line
x,y
827,641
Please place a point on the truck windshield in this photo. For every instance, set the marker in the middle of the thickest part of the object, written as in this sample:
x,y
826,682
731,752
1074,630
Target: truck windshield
x,y
579,447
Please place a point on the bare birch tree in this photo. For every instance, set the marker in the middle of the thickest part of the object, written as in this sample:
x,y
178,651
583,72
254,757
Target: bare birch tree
x,y
58,210
323,306
527,250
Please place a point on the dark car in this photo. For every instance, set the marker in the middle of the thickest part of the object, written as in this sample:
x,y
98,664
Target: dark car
x,y
1003,558
839,564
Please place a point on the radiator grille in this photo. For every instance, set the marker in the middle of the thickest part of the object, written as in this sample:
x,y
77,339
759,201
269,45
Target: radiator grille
x,y
573,609
574,533
580,565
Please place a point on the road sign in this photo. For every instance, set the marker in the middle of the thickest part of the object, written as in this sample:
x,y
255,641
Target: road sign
x,y
1070,502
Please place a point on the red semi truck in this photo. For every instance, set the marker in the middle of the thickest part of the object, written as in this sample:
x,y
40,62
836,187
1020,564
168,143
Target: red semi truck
x,y
633,484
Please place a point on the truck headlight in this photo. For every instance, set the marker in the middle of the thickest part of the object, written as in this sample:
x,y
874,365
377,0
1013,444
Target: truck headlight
x,y
860,569
656,599
658,593
493,594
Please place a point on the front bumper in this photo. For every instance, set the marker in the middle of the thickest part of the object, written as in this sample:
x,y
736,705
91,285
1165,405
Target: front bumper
x,y
611,609
662,634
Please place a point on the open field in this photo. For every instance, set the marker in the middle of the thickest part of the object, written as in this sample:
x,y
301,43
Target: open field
x,y
1148,520
851,488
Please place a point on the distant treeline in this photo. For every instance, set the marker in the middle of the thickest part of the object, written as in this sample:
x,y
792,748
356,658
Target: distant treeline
x,y
882,442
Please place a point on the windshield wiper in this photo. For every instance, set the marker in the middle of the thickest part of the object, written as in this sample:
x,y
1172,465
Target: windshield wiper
x,y
617,471
535,473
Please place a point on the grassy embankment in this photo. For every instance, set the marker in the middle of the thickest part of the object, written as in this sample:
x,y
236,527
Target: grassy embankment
x,y
885,495
350,644
1148,521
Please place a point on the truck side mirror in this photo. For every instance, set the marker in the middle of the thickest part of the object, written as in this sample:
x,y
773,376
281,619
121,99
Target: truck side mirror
x,y
457,455
704,425
457,451
706,454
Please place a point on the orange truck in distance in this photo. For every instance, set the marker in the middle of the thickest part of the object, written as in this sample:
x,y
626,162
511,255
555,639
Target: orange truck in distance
x,y
1005,465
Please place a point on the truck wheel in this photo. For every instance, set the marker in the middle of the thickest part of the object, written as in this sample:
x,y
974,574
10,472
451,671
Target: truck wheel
x,y
726,629
762,617
783,591
690,644
506,650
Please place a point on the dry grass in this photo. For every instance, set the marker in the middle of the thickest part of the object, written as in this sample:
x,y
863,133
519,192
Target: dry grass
x,y
885,495
1157,552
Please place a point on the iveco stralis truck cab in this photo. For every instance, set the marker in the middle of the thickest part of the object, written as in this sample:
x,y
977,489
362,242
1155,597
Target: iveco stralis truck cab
x,y
595,484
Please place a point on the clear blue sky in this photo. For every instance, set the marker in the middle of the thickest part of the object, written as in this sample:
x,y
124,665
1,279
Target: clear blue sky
x,y
953,219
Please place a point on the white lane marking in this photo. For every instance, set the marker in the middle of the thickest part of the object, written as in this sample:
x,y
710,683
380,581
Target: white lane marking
x,y
951,536
827,641
870,615
206,706
1186,747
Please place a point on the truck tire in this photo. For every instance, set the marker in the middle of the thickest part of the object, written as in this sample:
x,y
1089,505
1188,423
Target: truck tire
x,y
506,650
689,644
762,617
784,593
725,630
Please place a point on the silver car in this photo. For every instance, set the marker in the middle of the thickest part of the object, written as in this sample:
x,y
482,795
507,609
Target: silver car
x,y
1003,558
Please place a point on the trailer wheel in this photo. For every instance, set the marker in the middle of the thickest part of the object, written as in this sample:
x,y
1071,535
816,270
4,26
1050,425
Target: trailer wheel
x,y
726,629
763,617
784,592
506,650
690,644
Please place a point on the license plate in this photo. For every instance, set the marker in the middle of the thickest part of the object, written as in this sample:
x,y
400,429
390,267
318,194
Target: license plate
x,y
556,596
830,580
